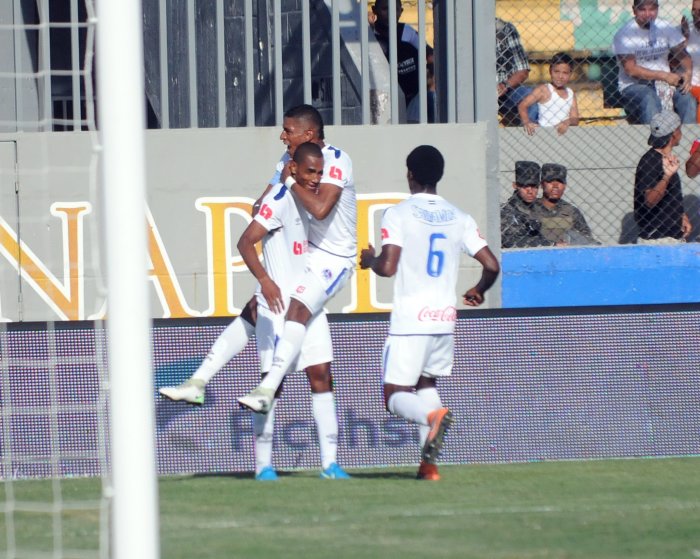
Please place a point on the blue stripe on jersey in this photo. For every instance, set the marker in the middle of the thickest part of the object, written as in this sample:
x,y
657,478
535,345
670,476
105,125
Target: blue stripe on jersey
x,y
332,286
281,193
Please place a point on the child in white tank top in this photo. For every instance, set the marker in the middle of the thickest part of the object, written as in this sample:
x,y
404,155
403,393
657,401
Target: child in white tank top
x,y
555,101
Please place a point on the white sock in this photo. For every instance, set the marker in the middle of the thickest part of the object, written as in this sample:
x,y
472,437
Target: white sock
x,y
286,351
323,405
229,344
409,406
431,398
263,427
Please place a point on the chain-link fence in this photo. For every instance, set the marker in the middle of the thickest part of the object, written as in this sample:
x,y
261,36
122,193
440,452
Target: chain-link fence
x,y
616,64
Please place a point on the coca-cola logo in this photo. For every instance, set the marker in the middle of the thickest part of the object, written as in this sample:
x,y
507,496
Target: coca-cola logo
x,y
448,314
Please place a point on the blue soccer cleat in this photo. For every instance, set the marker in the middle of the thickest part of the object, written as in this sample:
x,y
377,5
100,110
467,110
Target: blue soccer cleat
x,y
334,472
268,473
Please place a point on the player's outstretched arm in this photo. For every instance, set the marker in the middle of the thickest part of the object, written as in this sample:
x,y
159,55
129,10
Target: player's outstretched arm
x,y
383,265
475,296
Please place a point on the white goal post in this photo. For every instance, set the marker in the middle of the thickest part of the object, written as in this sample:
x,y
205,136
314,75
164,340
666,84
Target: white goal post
x,y
121,123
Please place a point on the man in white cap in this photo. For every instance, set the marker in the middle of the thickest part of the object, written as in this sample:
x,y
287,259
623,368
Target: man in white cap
x,y
658,198
654,69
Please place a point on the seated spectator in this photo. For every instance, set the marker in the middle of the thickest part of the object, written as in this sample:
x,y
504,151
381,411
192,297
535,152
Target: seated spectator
x,y
654,69
658,198
562,223
691,32
512,69
406,55
518,228
556,103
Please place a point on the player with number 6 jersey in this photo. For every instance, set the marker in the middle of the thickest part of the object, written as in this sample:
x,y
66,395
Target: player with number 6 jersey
x,y
422,240
424,290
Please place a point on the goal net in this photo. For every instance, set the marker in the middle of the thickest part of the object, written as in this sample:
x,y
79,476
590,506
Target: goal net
x,y
68,484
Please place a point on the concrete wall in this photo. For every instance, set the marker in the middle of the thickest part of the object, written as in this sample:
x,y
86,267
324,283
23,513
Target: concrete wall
x,y
201,184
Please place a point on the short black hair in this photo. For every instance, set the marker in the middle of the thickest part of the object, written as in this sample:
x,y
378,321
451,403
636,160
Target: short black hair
x,y
562,58
426,165
308,114
307,149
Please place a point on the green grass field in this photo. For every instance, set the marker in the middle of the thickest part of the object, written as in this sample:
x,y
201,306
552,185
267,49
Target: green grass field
x,y
647,508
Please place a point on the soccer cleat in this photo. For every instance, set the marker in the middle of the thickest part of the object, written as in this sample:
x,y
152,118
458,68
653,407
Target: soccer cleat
x,y
192,391
334,472
259,400
268,473
439,421
428,472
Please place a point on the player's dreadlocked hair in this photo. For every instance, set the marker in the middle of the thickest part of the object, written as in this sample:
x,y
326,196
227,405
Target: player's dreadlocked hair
x,y
426,164
310,115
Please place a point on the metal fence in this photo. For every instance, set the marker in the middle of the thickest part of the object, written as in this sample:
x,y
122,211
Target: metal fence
x,y
235,63
602,152
216,63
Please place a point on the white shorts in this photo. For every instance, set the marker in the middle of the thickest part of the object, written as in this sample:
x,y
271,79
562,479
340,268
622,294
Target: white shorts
x,y
326,274
406,358
317,347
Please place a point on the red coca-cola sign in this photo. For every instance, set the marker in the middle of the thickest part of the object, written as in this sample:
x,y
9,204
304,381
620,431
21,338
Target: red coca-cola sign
x,y
448,314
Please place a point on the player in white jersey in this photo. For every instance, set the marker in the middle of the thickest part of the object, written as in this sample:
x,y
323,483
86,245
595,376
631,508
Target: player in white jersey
x,y
422,240
332,245
282,227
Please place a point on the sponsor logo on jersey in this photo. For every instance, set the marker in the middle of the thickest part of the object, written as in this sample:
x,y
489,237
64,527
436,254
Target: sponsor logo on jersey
x,y
327,274
385,233
336,173
300,289
448,314
265,211
300,248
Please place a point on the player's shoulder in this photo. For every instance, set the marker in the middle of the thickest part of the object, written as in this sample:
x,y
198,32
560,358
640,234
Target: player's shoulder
x,y
334,153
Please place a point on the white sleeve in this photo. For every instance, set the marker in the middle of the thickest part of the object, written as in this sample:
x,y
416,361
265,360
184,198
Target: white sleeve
x,y
391,228
337,168
472,240
272,207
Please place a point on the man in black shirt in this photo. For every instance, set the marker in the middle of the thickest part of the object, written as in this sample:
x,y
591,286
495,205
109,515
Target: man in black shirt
x,y
406,54
658,198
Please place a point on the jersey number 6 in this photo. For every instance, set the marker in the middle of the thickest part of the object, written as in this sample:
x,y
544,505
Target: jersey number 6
x,y
436,258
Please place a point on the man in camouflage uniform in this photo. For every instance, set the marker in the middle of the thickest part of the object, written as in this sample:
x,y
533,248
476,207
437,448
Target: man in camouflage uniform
x,y
562,223
519,228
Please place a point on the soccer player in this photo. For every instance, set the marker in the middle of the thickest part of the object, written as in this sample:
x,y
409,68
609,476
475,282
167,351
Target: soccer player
x,y
332,246
301,124
422,238
282,227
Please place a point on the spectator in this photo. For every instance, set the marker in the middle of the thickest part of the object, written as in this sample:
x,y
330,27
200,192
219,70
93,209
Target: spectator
x,y
562,223
556,103
654,69
658,198
519,229
406,54
512,69
691,32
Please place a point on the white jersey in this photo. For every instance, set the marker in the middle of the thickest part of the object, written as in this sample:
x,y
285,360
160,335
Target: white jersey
x,y
432,234
557,109
285,246
650,47
337,233
693,48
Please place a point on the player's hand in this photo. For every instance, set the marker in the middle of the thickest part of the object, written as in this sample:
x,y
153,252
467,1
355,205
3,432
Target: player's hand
x,y
473,298
563,126
367,257
273,295
286,172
